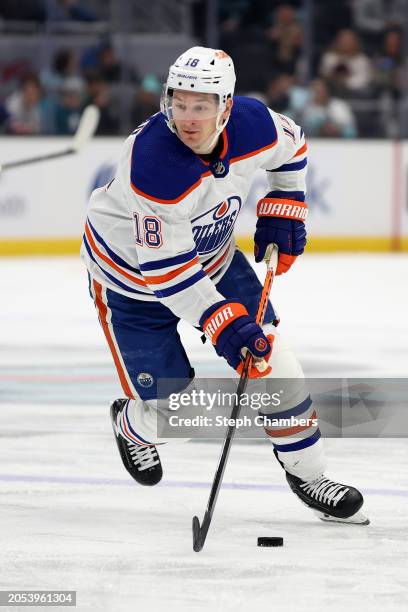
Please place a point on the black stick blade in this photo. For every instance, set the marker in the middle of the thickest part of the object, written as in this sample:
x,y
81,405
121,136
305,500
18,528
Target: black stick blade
x,y
197,541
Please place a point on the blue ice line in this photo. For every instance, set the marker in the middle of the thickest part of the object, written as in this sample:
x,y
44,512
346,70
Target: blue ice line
x,y
177,484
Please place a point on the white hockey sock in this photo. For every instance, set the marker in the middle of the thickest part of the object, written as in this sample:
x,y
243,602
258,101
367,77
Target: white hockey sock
x,y
141,422
307,463
299,446
137,423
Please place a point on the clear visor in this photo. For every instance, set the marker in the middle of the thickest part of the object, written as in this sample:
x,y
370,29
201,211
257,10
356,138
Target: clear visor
x,y
186,106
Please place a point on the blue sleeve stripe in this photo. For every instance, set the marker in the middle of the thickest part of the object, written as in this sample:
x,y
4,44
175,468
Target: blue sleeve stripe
x,y
109,276
285,195
287,448
291,167
180,286
295,411
169,261
118,260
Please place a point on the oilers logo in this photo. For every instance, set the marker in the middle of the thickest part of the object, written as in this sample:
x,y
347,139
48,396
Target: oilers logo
x,y
218,168
212,229
145,379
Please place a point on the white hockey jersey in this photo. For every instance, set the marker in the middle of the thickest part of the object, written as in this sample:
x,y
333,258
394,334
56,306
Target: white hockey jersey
x,y
162,229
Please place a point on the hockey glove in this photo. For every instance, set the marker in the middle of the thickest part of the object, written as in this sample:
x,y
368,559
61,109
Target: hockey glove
x,y
231,329
280,221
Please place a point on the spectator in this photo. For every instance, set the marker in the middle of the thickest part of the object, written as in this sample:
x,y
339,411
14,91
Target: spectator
x,y
288,50
389,64
346,53
99,94
235,15
14,71
101,61
279,93
69,106
286,40
68,10
109,66
325,116
286,95
65,66
337,82
284,19
147,100
372,17
24,108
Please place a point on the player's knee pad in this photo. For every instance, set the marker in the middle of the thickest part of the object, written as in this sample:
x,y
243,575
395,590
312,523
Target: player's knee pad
x,y
287,372
283,360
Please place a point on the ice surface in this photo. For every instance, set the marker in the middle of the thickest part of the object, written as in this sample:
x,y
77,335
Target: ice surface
x,y
70,518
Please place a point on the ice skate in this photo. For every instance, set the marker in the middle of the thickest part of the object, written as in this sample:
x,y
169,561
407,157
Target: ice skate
x,y
142,462
330,501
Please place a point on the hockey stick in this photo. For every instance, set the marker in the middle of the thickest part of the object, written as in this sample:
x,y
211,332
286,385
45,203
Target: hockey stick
x,y
86,129
200,532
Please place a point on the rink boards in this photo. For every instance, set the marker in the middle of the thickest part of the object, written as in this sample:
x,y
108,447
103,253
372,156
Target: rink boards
x,y
356,194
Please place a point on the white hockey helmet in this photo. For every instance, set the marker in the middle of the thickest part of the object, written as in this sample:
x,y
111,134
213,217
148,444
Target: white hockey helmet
x,y
203,70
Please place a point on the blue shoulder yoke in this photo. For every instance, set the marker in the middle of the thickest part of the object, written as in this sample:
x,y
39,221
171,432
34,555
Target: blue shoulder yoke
x,y
250,128
163,169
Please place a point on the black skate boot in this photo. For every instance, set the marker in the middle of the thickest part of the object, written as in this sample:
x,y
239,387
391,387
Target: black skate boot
x,y
142,462
330,501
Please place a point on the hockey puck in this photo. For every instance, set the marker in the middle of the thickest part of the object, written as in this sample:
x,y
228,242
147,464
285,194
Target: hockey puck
x,y
270,541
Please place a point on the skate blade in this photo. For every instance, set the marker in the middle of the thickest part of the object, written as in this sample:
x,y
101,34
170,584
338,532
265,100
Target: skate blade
x,y
357,519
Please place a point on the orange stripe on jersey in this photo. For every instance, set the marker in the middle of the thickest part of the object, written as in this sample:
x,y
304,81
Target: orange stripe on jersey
x,y
290,431
221,318
215,264
176,200
225,147
103,311
269,146
301,151
154,280
109,261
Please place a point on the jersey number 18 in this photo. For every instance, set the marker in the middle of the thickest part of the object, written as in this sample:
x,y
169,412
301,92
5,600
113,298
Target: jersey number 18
x,y
147,231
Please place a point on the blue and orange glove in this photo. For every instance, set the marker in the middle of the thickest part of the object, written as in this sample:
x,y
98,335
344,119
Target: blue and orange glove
x,y
281,221
231,329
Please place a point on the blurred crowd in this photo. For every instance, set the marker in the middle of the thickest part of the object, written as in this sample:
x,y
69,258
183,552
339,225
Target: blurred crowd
x,y
47,10
338,72
51,102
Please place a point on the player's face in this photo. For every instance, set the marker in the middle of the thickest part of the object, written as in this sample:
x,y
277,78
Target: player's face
x,y
195,116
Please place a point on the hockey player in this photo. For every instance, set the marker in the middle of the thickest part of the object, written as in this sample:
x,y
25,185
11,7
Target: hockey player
x,y
159,247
